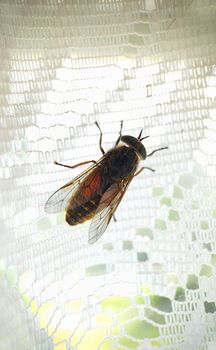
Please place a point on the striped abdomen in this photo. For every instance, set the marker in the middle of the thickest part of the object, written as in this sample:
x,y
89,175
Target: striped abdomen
x,y
78,212
85,201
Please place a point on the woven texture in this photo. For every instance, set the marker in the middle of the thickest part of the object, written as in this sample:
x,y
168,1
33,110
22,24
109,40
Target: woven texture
x,y
149,282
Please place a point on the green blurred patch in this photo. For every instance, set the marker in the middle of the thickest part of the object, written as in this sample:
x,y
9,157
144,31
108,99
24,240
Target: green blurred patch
x,y
173,215
96,270
26,299
115,330
213,259
177,192
157,191
209,307
179,294
135,39
172,278
160,224
139,299
154,316
192,282
127,245
142,256
206,270
207,246
166,201
161,303
115,303
145,232
156,342
108,246
204,225
171,341
141,329
128,315
130,50
128,343
141,28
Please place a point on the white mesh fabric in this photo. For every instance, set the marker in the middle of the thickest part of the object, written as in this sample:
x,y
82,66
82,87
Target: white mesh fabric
x,y
149,282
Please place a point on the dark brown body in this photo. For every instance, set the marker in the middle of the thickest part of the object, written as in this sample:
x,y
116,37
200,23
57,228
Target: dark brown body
x,y
97,191
117,165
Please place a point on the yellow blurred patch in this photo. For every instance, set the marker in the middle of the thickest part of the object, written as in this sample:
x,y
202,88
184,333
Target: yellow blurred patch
x,y
106,345
74,306
104,320
92,339
77,335
34,306
146,289
60,335
45,312
60,347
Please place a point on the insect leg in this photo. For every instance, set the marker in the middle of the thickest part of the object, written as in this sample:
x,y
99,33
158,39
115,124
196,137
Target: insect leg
x,y
100,140
156,150
120,133
141,169
76,165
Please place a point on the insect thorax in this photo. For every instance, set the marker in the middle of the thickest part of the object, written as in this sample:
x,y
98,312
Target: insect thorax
x,y
123,163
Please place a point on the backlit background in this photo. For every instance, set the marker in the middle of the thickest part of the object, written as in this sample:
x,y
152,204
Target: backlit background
x,y
149,282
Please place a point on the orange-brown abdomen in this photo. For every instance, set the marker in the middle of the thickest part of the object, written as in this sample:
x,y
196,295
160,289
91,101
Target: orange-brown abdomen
x,y
78,213
84,203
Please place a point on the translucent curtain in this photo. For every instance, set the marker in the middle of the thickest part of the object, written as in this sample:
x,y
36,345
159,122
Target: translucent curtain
x,y
149,282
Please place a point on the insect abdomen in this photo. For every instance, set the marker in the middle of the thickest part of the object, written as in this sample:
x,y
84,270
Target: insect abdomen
x,y
78,213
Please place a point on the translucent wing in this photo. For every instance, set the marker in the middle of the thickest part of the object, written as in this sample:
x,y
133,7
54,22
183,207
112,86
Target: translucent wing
x,y
107,206
58,200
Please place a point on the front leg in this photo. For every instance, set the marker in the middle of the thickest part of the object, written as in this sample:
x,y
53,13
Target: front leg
x,y
100,140
141,169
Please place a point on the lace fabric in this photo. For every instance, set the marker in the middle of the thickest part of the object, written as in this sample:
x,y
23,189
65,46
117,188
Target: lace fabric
x,y
149,282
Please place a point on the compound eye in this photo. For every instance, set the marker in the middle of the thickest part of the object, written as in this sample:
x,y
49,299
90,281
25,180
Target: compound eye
x,y
142,151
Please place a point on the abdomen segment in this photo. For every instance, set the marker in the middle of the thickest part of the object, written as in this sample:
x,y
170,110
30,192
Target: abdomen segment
x,y
77,213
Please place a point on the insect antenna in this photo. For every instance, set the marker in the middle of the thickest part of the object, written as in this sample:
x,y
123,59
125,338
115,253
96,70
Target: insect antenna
x,y
145,137
139,136
156,150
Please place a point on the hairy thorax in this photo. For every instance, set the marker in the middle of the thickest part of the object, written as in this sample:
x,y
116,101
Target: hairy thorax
x,y
122,163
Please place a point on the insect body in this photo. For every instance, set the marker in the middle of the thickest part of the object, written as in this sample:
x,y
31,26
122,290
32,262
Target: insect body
x,y
96,192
